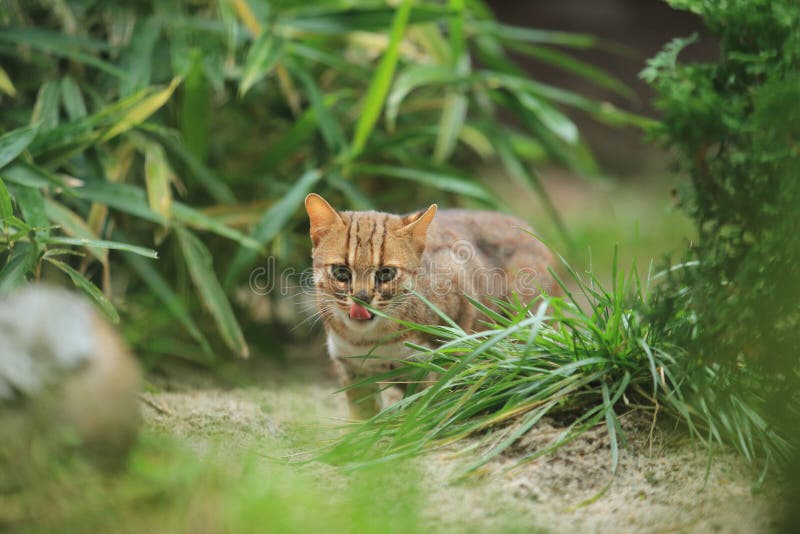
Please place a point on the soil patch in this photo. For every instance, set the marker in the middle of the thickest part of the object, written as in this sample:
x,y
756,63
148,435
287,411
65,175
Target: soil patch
x,y
659,486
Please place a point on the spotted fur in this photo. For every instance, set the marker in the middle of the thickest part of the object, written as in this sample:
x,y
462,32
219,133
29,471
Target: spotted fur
x,y
446,256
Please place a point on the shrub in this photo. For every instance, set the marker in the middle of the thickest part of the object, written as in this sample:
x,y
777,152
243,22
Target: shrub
x,y
735,124
195,129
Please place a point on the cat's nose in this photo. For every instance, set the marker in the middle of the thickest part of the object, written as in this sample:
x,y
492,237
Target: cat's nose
x,y
361,295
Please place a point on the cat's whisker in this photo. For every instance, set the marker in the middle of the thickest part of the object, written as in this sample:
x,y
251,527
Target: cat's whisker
x,y
380,257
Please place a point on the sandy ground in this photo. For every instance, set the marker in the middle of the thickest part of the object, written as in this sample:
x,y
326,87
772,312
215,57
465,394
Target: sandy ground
x,y
659,486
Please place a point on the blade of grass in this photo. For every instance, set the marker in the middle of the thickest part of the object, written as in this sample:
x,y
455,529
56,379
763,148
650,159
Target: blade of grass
x,y
381,81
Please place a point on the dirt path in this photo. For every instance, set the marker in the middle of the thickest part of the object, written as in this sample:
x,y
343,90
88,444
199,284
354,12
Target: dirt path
x,y
659,487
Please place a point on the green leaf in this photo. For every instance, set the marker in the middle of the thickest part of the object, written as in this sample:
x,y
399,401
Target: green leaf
x,y
527,177
62,45
45,110
158,177
411,78
273,221
138,58
141,111
328,125
381,81
292,141
14,142
31,204
450,182
6,85
199,263
551,118
131,199
124,197
6,208
505,32
162,291
454,114
62,143
82,283
334,21
195,106
99,243
204,176
75,226
72,98
21,261
261,59
199,220
570,64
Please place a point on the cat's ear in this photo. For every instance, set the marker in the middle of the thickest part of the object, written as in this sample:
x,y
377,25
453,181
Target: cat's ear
x,y
321,215
416,226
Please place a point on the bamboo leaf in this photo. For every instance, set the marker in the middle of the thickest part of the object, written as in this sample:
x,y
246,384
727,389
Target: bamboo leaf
x,y
534,35
62,45
454,113
6,208
381,81
138,58
162,291
291,142
273,221
14,142
72,98
197,219
411,78
158,177
195,104
82,283
74,226
45,110
21,261
31,204
334,21
205,177
328,125
450,182
132,199
568,63
141,111
551,118
199,263
99,243
260,60
6,85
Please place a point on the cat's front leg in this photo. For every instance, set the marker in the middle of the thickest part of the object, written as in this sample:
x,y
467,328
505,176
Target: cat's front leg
x,y
364,400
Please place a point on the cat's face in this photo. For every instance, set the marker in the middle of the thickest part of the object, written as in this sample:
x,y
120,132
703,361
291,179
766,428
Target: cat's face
x,y
364,257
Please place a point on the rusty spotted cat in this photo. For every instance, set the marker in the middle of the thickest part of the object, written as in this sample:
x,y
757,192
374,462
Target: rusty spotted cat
x,y
376,259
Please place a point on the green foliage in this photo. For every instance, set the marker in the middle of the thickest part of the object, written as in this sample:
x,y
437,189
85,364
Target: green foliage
x,y
195,129
583,364
167,486
735,124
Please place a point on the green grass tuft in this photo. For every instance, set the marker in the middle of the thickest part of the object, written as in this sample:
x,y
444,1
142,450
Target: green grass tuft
x,y
585,358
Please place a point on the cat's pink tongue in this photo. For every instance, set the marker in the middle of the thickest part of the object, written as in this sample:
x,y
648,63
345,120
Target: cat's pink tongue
x,y
359,312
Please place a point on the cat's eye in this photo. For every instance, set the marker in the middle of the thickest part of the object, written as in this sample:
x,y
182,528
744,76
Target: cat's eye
x,y
385,274
341,273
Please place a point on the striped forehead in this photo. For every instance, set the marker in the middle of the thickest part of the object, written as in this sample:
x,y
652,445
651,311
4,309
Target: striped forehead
x,y
366,236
